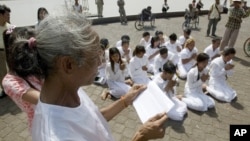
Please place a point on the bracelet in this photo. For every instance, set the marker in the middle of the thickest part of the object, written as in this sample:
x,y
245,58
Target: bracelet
x,y
124,102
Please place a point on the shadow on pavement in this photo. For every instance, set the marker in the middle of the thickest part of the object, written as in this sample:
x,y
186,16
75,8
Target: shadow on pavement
x,y
176,125
8,106
236,104
212,113
242,61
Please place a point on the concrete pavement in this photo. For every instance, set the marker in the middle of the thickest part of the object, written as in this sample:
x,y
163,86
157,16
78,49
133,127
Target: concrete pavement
x,y
212,125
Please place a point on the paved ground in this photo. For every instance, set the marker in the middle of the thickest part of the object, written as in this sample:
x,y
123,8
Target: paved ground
x,y
212,125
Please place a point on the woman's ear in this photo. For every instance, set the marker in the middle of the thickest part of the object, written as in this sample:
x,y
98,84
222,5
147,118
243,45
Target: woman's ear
x,y
67,64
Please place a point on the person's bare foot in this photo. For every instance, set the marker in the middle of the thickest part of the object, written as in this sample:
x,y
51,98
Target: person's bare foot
x,y
179,97
129,82
105,94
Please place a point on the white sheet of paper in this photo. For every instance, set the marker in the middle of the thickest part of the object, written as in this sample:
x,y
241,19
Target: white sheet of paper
x,y
152,101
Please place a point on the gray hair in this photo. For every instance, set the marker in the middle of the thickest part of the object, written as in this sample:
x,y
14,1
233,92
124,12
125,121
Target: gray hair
x,y
68,35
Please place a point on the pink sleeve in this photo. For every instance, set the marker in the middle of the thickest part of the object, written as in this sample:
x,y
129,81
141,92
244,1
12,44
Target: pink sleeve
x,y
15,86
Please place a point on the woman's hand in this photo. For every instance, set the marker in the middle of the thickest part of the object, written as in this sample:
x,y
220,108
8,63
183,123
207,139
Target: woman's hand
x,y
133,93
152,129
122,66
144,68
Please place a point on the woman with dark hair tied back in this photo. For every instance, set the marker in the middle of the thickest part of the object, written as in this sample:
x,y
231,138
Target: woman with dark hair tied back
x,y
23,81
195,98
69,54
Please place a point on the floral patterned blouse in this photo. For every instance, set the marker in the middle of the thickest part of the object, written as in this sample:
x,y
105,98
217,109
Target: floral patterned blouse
x,y
15,86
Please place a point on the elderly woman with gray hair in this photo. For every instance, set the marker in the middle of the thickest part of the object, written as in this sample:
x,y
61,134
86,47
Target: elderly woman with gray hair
x,y
68,53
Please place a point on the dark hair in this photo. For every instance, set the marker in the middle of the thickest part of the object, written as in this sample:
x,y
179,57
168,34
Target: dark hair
x,y
125,37
21,57
139,49
173,37
39,10
3,9
169,67
124,41
157,33
188,31
202,57
153,40
113,51
214,39
104,43
228,50
163,50
144,34
149,7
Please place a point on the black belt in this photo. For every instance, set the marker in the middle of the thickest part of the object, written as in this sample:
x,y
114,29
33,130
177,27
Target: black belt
x,y
1,49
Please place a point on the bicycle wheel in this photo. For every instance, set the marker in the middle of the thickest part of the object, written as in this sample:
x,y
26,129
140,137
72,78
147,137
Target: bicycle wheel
x,y
139,25
196,24
246,47
153,22
185,25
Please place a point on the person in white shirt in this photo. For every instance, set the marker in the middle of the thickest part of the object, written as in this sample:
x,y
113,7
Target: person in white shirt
x,y
220,69
173,44
64,111
124,37
187,58
126,54
125,50
184,37
195,98
77,7
151,51
116,76
214,17
213,50
41,14
163,38
101,76
146,39
166,80
138,66
161,59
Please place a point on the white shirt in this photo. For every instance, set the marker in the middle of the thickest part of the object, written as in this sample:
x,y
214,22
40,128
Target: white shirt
x,y
77,8
194,82
135,67
116,75
58,123
211,52
119,43
182,39
145,43
150,51
217,69
159,62
185,54
126,57
163,83
214,12
173,47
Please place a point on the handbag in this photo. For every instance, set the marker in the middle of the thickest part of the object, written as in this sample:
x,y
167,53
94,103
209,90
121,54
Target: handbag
x,y
218,12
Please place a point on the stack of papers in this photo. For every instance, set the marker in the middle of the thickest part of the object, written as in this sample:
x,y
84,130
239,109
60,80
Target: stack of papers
x,y
152,101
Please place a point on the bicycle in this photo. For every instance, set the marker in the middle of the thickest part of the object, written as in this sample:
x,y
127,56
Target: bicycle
x,y
246,47
140,23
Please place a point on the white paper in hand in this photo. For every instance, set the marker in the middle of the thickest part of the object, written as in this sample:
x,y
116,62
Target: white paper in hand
x,y
152,101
